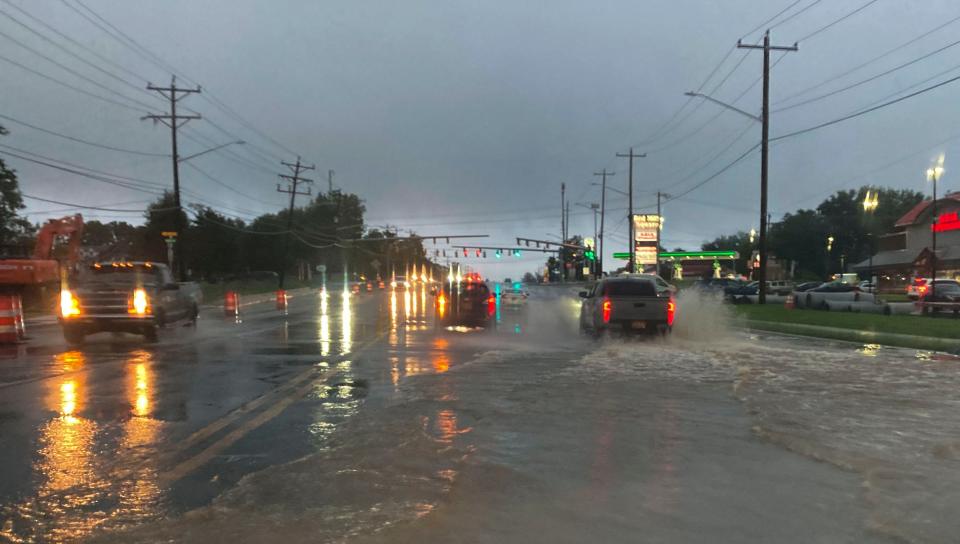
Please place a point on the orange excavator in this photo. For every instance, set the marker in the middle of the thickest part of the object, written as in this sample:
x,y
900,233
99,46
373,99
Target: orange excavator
x,y
57,248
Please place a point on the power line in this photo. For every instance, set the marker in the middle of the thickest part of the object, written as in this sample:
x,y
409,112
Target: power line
x,y
81,140
765,23
74,42
83,207
871,61
715,174
106,177
141,50
863,112
68,85
843,18
869,79
224,185
73,72
802,10
68,51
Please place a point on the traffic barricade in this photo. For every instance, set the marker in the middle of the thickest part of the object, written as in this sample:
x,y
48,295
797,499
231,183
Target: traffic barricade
x,y
281,300
790,303
231,304
11,319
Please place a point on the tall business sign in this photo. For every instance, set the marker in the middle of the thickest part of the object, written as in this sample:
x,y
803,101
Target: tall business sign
x,y
645,230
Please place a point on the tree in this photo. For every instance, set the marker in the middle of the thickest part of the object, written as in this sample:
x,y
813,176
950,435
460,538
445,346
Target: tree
x,y
739,242
215,243
13,229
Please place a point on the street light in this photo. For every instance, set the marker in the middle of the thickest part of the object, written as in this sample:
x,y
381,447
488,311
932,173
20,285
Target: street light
x,y
614,189
221,146
762,119
934,174
870,202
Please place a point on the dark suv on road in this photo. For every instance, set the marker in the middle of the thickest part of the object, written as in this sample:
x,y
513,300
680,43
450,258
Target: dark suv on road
x,y
470,304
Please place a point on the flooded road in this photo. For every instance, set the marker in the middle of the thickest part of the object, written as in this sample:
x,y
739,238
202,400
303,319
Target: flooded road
x,y
357,419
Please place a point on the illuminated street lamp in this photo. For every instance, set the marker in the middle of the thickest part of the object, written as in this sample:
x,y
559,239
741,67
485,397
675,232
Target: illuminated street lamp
x,y
870,202
829,243
753,235
934,174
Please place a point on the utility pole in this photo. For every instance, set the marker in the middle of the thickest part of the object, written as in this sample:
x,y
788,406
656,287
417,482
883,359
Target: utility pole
x,y
631,242
659,225
173,94
764,152
563,233
329,181
291,188
603,209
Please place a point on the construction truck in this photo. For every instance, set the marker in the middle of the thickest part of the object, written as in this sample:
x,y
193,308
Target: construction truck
x,y
55,255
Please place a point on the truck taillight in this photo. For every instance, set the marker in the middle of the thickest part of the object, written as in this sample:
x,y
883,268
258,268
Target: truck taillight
x,y
139,303
671,311
607,307
69,304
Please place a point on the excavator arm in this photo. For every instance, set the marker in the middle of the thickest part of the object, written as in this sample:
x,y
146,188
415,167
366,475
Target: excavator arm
x,y
71,228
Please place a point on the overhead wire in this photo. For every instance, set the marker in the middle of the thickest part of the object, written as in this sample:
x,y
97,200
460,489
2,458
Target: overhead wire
x,y
868,62
836,21
82,140
864,111
869,79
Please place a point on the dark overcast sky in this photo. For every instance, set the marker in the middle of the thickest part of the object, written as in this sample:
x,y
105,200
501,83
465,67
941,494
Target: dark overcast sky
x,y
465,117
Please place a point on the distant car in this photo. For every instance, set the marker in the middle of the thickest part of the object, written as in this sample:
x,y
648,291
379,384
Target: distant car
x,y
866,286
920,286
751,288
628,304
513,298
470,304
717,285
399,282
806,286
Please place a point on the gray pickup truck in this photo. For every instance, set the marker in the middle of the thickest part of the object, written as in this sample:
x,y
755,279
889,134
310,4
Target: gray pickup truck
x,y
628,305
133,297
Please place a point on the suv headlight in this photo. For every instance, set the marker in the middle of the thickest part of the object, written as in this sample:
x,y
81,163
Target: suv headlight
x,y
69,304
139,303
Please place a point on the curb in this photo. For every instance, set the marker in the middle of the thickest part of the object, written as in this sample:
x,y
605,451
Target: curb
x,y
856,335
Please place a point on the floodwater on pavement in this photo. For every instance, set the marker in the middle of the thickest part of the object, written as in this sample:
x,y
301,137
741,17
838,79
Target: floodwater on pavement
x,y
529,433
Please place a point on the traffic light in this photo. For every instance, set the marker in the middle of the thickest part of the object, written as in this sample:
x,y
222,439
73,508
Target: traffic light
x,y
516,253
499,253
464,252
590,255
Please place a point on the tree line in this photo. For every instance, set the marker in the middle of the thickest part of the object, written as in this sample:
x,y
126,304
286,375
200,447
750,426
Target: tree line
x,y
801,237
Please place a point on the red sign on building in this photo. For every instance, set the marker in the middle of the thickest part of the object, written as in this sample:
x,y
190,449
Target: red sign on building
x,y
946,221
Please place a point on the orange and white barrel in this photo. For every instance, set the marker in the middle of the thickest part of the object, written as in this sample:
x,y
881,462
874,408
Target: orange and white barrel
x,y
281,300
790,303
11,319
231,304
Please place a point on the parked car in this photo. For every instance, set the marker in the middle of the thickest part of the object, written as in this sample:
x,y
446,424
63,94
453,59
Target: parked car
x,y
134,297
806,286
717,285
946,299
627,304
834,290
919,286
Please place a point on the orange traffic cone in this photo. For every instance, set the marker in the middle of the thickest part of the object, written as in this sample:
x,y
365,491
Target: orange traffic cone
x,y
11,319
231,304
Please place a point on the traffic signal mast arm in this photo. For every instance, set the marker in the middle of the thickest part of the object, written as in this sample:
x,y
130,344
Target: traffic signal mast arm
x,y
547,243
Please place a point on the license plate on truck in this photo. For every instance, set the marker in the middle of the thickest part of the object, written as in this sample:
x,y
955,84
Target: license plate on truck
x,y
638,325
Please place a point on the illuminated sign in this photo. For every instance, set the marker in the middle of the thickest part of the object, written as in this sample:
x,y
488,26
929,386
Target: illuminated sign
x,y
646,230
945,222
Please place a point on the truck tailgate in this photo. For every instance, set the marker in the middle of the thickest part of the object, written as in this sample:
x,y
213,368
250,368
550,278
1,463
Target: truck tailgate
x,y
634,308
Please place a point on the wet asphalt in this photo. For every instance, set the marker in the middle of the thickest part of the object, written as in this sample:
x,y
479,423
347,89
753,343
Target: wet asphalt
x,y
118,434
